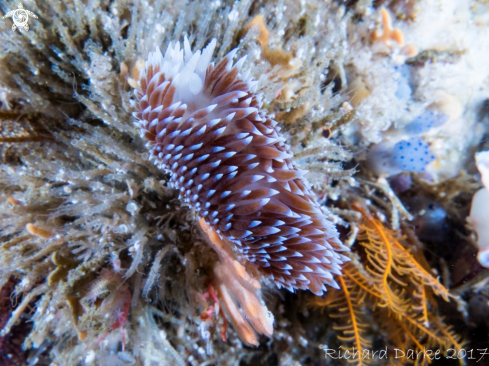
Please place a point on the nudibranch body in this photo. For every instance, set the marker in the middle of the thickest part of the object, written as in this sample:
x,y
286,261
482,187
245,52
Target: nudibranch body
x,y
204,126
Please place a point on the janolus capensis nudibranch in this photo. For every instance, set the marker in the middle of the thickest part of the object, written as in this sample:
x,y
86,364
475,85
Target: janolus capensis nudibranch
x,y
204,126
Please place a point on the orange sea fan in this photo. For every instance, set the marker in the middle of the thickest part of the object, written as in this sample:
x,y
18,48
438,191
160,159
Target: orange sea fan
x,y
204,126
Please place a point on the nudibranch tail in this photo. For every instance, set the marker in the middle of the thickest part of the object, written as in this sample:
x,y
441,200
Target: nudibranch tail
x,y
204,126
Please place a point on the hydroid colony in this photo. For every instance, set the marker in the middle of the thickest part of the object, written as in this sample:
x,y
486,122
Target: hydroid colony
x,y
96,240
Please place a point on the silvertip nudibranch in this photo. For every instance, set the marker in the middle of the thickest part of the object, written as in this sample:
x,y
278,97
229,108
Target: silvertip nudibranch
x,y
204,126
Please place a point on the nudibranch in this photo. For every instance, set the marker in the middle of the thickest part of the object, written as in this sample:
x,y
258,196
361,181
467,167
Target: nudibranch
x,y
204,126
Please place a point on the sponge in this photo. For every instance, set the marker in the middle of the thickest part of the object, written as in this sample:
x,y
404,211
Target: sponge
x,y
412,155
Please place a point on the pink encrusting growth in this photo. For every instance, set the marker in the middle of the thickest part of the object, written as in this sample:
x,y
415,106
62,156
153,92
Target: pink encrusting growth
x,y
204,126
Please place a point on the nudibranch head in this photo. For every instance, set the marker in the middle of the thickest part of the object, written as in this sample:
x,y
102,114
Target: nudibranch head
x,y
204,126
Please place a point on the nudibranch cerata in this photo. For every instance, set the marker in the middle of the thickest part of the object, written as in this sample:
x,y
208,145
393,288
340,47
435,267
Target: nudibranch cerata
x,y
204,126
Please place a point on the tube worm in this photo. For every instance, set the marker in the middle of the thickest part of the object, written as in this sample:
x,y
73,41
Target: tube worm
x,y
204,127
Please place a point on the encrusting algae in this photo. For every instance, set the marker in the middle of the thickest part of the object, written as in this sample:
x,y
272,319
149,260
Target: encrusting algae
x,y
162,242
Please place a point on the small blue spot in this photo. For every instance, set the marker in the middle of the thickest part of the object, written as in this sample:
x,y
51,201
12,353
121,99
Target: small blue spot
x,y
415,151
